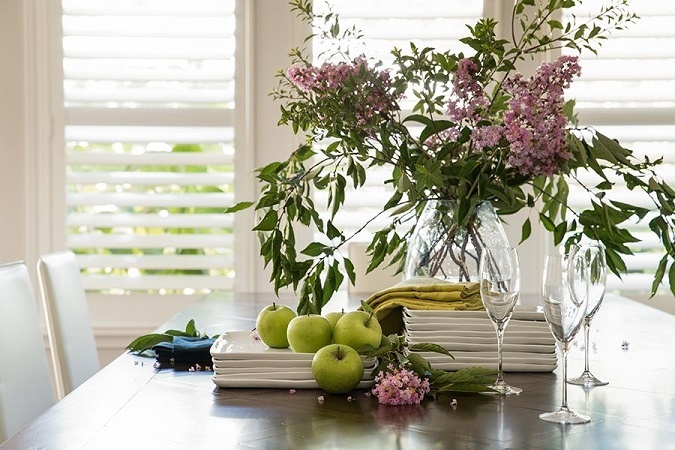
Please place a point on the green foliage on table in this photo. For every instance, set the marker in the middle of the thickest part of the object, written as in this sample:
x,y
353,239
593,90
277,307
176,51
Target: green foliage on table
x,y
142,344
394,351
343,143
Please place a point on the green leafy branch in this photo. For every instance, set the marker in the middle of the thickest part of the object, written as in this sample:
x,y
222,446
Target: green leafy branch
x,y
606,219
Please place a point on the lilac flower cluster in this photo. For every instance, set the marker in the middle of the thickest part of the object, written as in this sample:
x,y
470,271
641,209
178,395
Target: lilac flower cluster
x,y
468,99
534,124
328,76
371,97
399,386
467,106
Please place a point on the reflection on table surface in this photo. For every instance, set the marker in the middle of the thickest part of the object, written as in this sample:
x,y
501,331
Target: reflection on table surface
x,y
130,404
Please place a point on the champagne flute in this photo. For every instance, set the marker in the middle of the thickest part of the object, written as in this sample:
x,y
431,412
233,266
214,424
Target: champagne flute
x,y
597,284
565,296
499,290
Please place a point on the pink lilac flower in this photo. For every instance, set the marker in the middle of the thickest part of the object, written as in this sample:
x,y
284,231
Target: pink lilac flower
x,y
292,391
399,386
466,107
487,136
535,124
438,139
371,97
320,399
468,99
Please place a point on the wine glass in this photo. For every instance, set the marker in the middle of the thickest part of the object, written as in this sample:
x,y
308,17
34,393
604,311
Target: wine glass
x,y
597,283
565,296
499,290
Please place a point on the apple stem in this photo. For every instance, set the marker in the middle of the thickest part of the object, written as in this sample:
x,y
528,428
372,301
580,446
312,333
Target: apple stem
x,y
369,317
339,353
274,306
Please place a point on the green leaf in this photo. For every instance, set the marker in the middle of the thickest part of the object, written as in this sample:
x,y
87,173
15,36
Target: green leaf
x,y
238,207
190,328
526,230
314,249
430,347
559,233
146,342
660,273
367,308
548,223
419,365
349,267
177,333
268,222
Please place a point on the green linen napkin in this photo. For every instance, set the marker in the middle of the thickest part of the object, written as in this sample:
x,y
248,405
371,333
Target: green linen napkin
x,y
425,294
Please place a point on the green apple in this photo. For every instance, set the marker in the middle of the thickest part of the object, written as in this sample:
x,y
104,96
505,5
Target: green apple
x,y
272,323
334,316
337,368
356,329
308,333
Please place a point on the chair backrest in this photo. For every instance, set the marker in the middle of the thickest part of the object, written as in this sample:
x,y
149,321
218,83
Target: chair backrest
x,y
25,383
74,353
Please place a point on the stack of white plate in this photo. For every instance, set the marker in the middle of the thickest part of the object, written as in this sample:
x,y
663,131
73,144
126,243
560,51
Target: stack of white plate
x,y
471,338
241,361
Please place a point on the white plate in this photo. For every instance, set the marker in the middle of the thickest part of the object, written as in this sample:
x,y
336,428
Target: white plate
x,y
258,366
535,334
474,325
227,370
241,345
480,358
518,314
479,337
226,382
286,375
491,347
507,366
266,364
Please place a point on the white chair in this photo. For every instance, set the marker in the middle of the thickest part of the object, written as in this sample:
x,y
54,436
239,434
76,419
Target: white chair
x,y
74,353
25,383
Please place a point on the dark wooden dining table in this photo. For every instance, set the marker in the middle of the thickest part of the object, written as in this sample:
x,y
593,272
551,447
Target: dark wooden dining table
x,y
131,405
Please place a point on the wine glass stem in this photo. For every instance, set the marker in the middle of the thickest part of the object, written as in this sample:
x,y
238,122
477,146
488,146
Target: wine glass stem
x,y
500,339
587,343
564,377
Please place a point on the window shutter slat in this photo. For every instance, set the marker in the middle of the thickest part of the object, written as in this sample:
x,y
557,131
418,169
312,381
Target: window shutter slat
x,y
126,241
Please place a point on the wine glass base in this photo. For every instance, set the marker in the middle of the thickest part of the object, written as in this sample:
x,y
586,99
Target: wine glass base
x,y
502,389
587,379
564,415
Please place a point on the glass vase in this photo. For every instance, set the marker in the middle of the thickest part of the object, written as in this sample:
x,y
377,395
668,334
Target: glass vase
x,y
439,248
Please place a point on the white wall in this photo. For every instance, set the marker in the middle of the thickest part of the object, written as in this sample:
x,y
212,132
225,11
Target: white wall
x,y
13,226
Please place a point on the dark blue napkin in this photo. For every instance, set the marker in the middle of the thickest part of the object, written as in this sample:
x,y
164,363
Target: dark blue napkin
x,y
185,351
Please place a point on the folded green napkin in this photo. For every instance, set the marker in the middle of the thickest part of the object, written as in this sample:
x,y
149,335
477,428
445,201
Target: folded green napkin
x,y
422,293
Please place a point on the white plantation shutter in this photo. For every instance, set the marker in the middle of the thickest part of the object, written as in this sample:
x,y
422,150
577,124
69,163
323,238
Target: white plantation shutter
x,y
627,92
386,24
149,112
